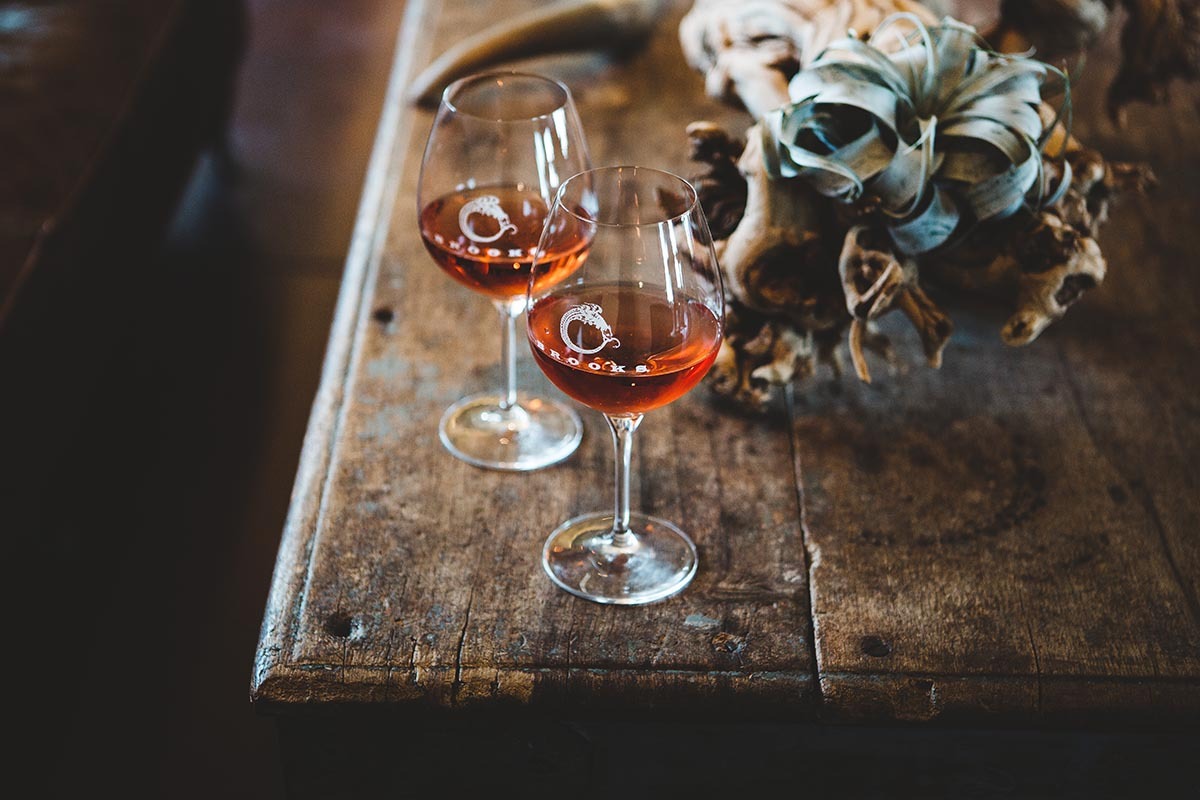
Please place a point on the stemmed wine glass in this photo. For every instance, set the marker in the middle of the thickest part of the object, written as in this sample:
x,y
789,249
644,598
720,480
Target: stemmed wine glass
x,y
500,146
633,328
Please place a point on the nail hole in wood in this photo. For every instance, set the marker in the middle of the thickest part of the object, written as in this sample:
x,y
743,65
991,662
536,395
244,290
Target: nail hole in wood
x,y
383,315
875,647
340,625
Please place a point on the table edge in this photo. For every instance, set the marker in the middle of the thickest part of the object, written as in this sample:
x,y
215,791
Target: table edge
x,y
290,577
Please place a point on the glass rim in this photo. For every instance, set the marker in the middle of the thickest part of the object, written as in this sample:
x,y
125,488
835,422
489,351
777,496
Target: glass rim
x,y
691,195
505,73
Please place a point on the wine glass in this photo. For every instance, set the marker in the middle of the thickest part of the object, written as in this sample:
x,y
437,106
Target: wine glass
x,y
500,146
631,329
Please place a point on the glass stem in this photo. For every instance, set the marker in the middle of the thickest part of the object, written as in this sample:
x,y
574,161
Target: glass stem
x,y
508,352
622,432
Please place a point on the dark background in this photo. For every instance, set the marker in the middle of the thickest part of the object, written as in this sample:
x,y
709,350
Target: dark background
x,y
173,493
142,616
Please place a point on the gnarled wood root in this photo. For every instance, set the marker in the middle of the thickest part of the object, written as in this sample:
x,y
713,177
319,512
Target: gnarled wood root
x,y
802,271
762,353
1160,41
1042,262
759,354
876,282
748,49
774,256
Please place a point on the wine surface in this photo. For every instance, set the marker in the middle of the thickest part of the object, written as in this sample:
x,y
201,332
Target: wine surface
x,y
487,237
621,349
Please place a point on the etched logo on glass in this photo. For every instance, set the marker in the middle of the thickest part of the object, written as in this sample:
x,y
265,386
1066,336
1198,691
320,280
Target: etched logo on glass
x,y
487,205
592,316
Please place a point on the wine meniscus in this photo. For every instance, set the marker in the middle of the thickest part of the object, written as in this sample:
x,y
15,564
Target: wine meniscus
x,y
487,238
623,348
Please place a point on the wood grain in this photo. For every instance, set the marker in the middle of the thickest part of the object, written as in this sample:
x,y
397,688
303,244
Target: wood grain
x,y
1014,535
1009,538
409,576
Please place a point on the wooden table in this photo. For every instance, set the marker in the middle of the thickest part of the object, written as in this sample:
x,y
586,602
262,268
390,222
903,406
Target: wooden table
x,y
1009,542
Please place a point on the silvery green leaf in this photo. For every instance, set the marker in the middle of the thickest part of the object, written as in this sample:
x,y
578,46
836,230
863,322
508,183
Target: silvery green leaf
x,y
771,148
1002,194
956,46
831,183
999,72
861,53
790,161
866,156
1063,185
869,97
936,127
808,82
911,62
1018,89
1019,117
966,167
929,228
898,186
1011,145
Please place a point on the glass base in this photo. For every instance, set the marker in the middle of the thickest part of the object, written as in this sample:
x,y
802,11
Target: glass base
x,y
582,558
535,433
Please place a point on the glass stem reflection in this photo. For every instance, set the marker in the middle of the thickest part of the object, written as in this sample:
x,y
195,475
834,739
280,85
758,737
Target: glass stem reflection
x,y
509,311
622,431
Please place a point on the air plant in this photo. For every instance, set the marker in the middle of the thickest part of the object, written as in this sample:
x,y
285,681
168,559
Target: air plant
x,y
938,135
910,156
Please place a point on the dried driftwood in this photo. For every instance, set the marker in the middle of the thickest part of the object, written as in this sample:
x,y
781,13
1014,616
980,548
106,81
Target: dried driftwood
x,y
557,27
816,260
1160,41
749,49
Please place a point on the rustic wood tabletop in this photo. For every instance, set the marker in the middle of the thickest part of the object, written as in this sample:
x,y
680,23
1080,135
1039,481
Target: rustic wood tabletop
x,y
1009,539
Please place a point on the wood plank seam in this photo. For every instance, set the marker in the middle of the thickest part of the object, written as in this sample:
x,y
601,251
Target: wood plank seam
x,y
462,641
1037,661
798,472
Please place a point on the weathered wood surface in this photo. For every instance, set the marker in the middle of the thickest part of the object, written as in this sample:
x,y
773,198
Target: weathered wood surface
x,y
1010,538
407,575
1017,533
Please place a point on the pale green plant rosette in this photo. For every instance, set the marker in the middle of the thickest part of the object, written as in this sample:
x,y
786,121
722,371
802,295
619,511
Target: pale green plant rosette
x,y
941,133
